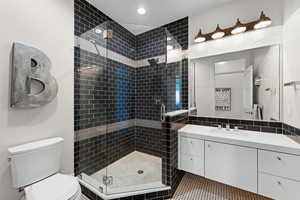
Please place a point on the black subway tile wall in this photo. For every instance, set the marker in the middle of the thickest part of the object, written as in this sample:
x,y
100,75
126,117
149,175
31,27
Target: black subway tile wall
x,y
173,72
170,127
180,30
120,95
148,140
104,90
87,18
290,130
94,154
151,44
185,84
261,126
89,110
149,92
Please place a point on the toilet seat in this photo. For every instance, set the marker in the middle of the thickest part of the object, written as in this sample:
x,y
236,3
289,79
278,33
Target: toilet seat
x,y
55,187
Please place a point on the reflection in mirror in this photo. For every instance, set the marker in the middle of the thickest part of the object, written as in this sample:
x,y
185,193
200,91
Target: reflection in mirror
x,y
241,85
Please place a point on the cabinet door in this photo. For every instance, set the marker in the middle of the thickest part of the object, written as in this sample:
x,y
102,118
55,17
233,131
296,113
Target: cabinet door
x,y
232,165
192,164
277,187
191,155
191,146
279,164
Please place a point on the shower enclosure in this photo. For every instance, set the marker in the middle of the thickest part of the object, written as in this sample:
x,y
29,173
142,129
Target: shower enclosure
x,y
121,97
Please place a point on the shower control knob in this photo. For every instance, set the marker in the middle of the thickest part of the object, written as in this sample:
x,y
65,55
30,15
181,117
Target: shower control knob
x,y
278,182
278,158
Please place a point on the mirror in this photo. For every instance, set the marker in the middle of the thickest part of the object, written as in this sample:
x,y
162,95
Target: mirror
x,y
240,85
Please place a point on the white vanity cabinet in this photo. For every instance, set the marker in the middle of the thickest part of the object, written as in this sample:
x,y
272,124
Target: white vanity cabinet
x,y
263,163
278,175
232,165
229,164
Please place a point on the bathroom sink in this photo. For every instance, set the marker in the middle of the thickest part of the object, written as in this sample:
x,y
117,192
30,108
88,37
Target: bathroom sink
x,y
232,132
197,129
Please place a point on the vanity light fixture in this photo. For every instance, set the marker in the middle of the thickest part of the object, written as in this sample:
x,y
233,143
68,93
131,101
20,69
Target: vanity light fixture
x,y
200,37
238,28
218,34
263,22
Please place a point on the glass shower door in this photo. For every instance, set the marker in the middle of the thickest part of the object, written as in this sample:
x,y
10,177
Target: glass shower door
x,y
90,107
172,77
133,110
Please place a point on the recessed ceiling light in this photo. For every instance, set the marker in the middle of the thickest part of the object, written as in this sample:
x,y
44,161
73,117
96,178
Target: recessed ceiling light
x,y
141,11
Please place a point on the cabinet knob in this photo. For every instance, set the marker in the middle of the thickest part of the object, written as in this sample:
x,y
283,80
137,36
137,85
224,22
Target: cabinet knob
x,y
191,159
278,182
278,158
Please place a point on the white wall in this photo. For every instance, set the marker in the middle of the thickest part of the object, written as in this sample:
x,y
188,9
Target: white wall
x,y
227,15
291,65
47,25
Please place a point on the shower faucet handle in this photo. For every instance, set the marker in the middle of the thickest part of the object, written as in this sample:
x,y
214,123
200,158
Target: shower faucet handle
x,y
162,112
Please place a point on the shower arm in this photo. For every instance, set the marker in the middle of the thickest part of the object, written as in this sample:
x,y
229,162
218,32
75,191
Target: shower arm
x,y
95,45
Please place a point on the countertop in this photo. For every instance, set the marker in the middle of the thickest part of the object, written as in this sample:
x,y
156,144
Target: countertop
x,y
252,139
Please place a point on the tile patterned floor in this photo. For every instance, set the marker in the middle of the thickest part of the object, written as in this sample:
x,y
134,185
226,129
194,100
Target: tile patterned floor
x,y
197,188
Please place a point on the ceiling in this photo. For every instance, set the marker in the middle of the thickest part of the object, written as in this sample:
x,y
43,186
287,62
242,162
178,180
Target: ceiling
x,y
159,12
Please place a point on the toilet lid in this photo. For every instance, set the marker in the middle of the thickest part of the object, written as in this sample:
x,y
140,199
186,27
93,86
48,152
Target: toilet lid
x,y
56,187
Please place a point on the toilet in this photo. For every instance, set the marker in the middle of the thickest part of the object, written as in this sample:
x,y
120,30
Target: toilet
x,y
35,169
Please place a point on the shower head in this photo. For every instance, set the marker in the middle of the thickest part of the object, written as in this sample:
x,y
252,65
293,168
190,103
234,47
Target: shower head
x,y
153,61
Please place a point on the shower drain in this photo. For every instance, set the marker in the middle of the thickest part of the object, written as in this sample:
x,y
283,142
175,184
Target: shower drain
x,y
140,171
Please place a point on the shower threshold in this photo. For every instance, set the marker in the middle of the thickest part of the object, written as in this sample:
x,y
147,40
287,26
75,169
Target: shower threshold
x,y
137,173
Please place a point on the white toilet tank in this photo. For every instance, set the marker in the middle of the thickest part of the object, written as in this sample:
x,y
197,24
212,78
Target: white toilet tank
x,y
34,161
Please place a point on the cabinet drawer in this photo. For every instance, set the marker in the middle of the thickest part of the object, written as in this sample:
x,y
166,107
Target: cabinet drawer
x,y
277,188
190,146
192,164
279,164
